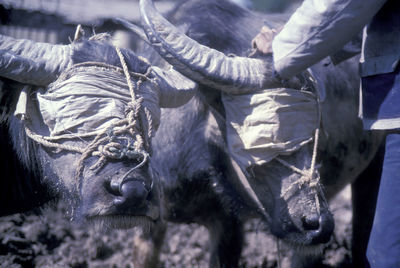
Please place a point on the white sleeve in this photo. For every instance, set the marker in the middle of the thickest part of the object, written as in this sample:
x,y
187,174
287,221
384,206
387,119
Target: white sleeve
x,y
318,28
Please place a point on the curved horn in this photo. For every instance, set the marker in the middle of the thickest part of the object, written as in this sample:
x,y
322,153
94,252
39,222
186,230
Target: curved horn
x,y
32,63
201,63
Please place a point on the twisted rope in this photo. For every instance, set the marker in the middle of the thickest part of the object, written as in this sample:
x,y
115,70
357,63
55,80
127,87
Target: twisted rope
x,y
42,140
105,144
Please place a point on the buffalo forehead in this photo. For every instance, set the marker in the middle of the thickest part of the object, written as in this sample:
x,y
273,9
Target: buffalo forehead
x,y
89,100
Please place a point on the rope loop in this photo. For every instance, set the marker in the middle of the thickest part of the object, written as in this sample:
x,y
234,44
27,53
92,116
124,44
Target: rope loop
x,y
112,150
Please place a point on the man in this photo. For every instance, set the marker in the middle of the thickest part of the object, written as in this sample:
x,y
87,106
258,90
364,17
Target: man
x,y
317,29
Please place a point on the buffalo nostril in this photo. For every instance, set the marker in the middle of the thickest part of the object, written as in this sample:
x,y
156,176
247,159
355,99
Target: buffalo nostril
x,y
113,187
133,193
319,233
311,222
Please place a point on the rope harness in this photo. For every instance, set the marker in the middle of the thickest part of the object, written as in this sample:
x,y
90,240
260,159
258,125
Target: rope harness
x,y
108,143
308,176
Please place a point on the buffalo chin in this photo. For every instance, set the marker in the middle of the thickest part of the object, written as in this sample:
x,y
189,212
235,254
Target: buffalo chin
x,y
305,250
302,245
109,218
122,222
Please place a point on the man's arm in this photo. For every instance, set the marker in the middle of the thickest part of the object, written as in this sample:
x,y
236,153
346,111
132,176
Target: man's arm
x,y
317,29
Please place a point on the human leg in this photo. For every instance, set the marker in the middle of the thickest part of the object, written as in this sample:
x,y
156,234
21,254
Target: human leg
x,y
384,242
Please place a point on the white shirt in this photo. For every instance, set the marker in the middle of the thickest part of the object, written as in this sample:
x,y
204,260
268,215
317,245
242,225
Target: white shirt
x,y
317,29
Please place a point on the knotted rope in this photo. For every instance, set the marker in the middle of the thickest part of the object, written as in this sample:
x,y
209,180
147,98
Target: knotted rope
x,y
107,143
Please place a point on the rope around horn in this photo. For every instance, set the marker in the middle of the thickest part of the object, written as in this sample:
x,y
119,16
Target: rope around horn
x,y
112,149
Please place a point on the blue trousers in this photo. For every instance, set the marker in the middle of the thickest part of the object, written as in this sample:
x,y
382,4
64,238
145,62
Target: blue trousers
x,y
384,242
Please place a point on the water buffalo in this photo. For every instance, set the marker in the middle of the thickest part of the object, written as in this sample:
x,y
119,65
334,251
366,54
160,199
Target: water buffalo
x,y
77,122
210,45
186,162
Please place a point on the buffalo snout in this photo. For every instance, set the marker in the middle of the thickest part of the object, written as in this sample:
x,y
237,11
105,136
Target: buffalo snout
x,y
120,196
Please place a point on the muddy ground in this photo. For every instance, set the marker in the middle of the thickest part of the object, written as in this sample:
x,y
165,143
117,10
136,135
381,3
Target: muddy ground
x,y
51,240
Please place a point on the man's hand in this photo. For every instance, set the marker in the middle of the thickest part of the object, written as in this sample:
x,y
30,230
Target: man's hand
x,y
262,43
262,47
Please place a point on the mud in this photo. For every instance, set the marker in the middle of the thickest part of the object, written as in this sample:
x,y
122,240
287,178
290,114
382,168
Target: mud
x,y
49,239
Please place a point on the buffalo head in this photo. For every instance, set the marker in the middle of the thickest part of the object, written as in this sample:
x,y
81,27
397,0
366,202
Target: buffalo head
x,y
88,117
287,187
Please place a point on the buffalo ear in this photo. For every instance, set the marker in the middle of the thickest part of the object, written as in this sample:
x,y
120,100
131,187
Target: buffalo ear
x,y
175,89
31,62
